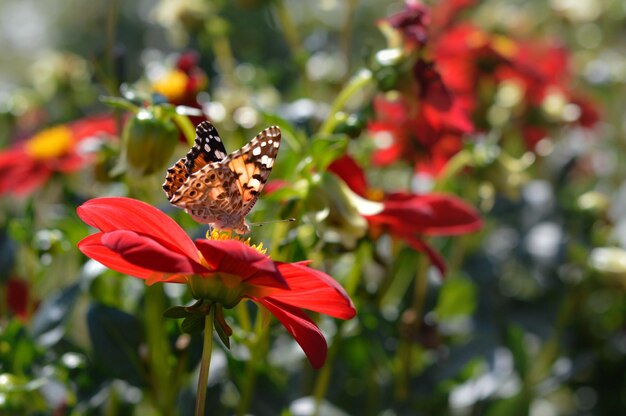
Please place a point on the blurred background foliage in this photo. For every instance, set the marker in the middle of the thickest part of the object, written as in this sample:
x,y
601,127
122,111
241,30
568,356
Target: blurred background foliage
x,y
491,133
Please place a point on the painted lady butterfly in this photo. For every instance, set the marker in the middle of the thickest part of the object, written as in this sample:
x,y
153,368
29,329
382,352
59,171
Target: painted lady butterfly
x,y
217,189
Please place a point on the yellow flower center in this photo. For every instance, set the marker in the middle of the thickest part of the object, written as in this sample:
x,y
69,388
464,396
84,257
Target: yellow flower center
x,y
50,143
173,85
228,235
504,46
375,194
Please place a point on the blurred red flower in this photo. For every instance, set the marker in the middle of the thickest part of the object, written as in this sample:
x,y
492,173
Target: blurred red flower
x,y
426,131
409,216
444,13
18,298
411,121
30,163
474,63
412,23
139,240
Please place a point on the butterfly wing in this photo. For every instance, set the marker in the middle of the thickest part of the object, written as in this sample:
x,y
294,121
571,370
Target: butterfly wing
x,y
208,148
252,165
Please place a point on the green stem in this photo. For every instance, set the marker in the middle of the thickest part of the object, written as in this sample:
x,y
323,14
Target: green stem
x,y
111,80
243,316
205,364
351,284
346,32
258,349
457,253
453,167
159,352
403,357
356,84
186,127
549,352
290,30
323,379
220,44
421,287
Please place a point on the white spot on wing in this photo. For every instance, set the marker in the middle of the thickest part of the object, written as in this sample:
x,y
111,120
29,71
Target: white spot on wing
x,y
267,161
207,148
254,183
256,151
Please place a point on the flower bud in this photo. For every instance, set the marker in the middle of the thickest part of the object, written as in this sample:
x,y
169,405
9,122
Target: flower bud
x,y
219,288
149,143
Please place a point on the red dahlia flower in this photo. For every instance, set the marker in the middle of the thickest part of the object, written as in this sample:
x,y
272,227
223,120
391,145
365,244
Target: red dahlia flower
x,y
411,121
410,216
30,163
137,239
473,62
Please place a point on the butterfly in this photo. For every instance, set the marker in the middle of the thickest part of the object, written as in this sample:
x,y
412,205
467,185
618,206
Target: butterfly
x,y
220,189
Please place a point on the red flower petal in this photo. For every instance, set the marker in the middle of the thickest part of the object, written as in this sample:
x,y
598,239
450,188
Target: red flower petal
x,y
92,247
313,290
434,257
234,257
143,251
431,214
453,216
93,126
347,169
117,213
302,328
21,175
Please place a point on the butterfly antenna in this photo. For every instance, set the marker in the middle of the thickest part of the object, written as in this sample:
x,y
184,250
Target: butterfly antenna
x,y
261,224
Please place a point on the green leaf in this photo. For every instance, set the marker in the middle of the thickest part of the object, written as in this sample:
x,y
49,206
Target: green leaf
x,y
515,342
457,298
403,275
176,312
324,150
116,336
222,335
117,102
18,352
48,326
514,406
193,324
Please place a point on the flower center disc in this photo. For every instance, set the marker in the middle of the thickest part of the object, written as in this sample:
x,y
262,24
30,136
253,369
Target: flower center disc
x,y
49,143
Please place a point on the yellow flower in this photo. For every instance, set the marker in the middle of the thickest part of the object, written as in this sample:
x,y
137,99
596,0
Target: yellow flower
x,y
173,85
